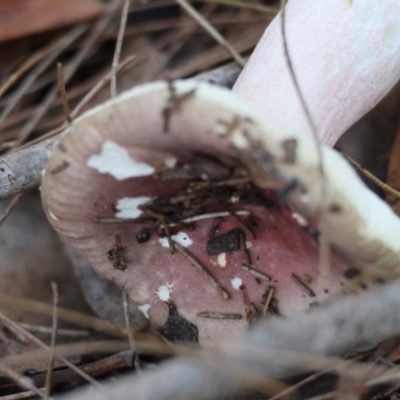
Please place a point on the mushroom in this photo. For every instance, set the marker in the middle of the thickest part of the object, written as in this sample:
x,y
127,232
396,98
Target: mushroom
x,y
346,55
200,206
140,194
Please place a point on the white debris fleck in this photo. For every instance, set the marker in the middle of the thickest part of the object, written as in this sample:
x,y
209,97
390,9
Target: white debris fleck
x,y
248,244
170,162
144,309
205,177
116,161
305,198
222,260
164,292
52,216
221,129
239,140
234,199
181,238
299,219
128,206
236,283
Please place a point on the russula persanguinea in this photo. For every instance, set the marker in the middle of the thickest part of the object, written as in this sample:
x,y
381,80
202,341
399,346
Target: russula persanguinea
x,y
346,55
166,159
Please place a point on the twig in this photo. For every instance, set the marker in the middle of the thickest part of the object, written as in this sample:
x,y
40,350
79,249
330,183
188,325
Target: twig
x,y
74,317
302,285
20,380
39,343
47,386
118,47
59,47
268,300
28,64
132,344
298,385
19,396
211,30
11,207
70,70
371,177
188,220
296,84
202,270
125,64
60,332
88,97
219,315
243,226
255,273
63,93
213,215
304,106
114,362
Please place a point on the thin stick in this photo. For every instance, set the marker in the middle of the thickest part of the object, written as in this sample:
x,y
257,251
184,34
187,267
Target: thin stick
x,y
132,344
211,30
200,217
63,93
28,64
242,225
371,177
164,225
75,333
11,207
245,5
20,380
268,300
19,396
73,317
218,315
70,70
306,289
103,82
62,44
44,346
298,385
118,47
296,84
112,363
47,386
202,270
89,96
242,241
256,273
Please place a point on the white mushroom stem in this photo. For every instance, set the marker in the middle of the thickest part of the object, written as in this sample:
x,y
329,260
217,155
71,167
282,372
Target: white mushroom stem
x,y
346,55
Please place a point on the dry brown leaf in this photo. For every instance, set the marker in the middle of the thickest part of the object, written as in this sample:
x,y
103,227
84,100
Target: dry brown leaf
x,y
19,18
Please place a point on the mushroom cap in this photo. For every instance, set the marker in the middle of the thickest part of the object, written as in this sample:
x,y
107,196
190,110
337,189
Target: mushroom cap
x,y
101,175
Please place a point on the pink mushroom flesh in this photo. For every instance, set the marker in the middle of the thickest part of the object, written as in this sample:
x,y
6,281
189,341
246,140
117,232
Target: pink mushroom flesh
x,y
94,202
345,55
